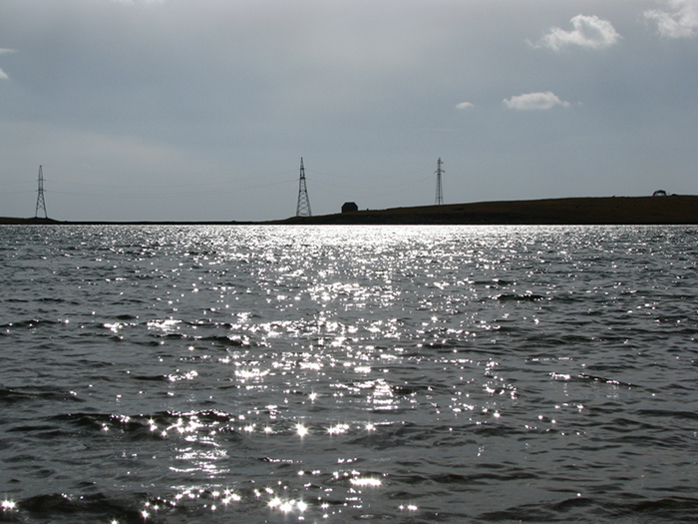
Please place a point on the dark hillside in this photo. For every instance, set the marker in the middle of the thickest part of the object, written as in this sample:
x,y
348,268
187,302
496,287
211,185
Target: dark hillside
x,y
607,210
675,209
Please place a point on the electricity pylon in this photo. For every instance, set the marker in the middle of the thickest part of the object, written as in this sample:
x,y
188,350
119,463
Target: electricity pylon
x,y
303,207
40,200
439,188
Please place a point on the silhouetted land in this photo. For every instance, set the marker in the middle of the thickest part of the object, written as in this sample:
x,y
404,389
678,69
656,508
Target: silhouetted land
x,y
27,221
675,209
563,211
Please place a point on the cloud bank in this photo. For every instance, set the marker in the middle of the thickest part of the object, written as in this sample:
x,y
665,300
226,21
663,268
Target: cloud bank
x,y
682,22
589,31
534,102
464,105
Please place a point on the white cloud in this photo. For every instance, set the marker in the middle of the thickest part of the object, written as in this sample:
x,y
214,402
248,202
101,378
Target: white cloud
x,y
3,75
534,102
589,31
681,23
464,105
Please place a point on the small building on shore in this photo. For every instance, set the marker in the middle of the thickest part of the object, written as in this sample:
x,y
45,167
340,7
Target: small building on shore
x,y
349,207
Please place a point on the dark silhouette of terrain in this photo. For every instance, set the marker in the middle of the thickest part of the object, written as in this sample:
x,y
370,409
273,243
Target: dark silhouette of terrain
x,y
36,220
563,211
674,209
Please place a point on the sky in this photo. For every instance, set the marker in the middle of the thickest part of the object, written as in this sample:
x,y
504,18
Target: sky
x,y
201,110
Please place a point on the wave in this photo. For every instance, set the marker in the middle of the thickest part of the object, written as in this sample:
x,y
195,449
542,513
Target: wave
x,y
26,394
591,509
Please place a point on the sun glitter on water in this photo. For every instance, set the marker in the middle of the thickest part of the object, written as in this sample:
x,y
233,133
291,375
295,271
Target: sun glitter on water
x,y
301,430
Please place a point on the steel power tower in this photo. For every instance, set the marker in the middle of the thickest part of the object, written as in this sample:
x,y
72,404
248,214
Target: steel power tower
x,y
439,188
303,207
40,200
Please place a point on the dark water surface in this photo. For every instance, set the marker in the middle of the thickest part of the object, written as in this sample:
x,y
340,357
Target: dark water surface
x,y
343,374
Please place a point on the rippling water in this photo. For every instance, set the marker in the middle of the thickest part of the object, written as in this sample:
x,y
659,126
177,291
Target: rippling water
x,y
332,374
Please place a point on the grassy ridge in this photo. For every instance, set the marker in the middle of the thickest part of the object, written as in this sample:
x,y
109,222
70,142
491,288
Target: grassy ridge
x,y
675,209
563,211
27,221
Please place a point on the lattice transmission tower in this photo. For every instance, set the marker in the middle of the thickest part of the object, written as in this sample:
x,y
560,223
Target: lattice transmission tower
x,y
40,200
303,207
439,189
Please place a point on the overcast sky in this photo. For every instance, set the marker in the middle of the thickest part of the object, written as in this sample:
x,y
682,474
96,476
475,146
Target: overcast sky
x,y
202,109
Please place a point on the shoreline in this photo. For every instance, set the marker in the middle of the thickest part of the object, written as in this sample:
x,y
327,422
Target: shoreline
x,y
654,210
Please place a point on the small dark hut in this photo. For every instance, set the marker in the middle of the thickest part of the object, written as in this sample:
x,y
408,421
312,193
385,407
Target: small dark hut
x,y
349,207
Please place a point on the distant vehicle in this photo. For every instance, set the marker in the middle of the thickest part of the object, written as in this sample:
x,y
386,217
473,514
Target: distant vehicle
x,y
659,192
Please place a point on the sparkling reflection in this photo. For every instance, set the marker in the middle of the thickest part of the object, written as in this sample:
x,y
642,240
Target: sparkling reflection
x,y
366,482
334,373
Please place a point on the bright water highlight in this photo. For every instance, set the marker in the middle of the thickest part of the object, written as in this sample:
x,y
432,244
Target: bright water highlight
x,y
343,374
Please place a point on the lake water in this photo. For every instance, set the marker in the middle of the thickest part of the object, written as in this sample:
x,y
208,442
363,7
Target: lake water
x,y
344,374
